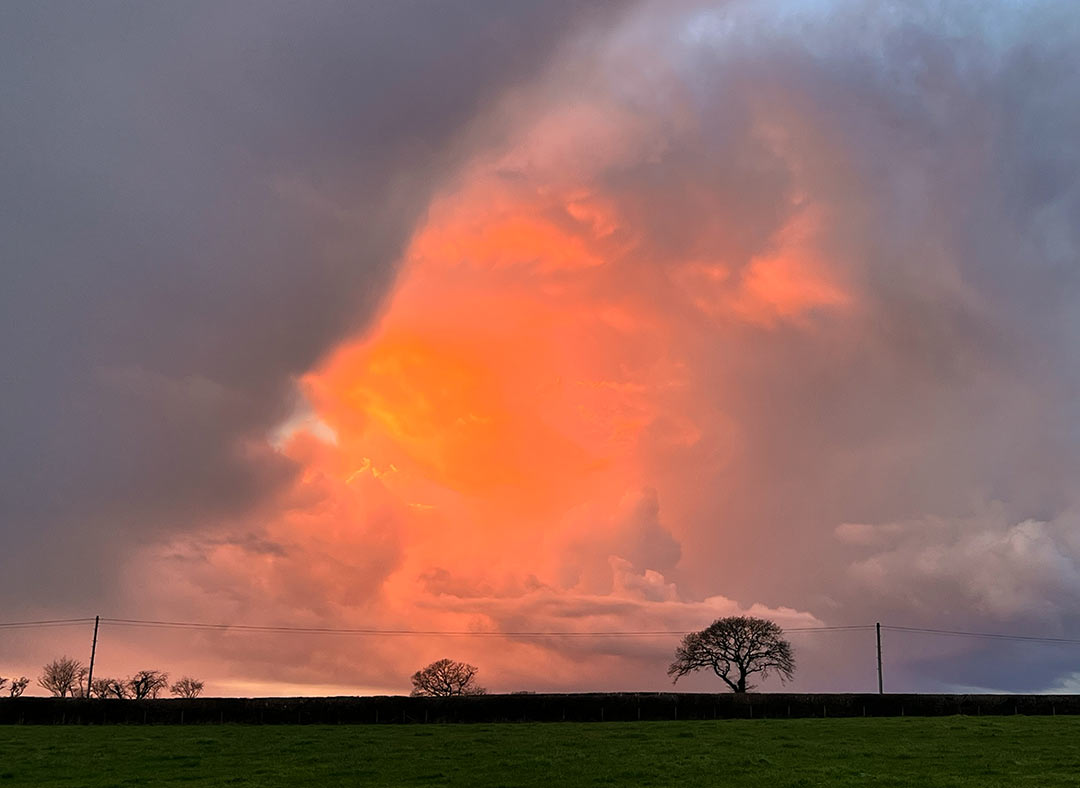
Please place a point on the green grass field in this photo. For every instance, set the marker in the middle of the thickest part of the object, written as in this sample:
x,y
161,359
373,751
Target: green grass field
x,y
950,751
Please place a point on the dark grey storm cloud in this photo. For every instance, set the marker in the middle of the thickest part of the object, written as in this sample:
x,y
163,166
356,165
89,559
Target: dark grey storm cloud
x,y
197,200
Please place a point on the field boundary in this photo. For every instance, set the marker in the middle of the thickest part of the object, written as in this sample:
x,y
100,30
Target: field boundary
x,y
577,707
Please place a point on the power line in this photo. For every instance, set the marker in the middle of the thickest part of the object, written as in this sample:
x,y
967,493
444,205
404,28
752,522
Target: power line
x,y
396,632
984,635
411,632
201,626
275,629
428,632
371,631
55,622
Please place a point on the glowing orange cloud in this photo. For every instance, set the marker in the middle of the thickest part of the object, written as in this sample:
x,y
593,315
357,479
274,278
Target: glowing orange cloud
x,y
518,442
785,283
527,369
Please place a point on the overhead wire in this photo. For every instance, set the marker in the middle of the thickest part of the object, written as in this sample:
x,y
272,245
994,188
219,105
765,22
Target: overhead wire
x,y
404,632
432,632
54,622
372,631
982,635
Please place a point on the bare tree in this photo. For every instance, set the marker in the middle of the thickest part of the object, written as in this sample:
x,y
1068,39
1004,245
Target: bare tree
x,y
735,648
3,682
109,688
446,678
187,687
18,686
63,677
147,684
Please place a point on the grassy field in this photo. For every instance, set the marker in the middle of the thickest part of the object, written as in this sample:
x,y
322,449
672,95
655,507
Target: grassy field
x,y
949,751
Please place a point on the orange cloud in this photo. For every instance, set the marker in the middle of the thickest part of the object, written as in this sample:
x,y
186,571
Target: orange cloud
x,y
785,283
520,440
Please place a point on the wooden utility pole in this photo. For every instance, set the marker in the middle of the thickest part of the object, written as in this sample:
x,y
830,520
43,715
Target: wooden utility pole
x,y
880,685
93,653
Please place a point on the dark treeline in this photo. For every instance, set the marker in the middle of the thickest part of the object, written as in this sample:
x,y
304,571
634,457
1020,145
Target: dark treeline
x,y
523,707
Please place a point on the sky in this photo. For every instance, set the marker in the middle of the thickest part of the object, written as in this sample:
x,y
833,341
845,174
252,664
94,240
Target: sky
x,y
576,317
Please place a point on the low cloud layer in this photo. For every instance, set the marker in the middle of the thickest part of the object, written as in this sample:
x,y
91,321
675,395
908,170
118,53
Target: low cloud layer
x,y
535,319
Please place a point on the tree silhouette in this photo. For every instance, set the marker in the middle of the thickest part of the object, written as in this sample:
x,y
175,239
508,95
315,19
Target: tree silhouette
x,y
446,678
187,687
735,648
63,677
18,686
147,684
109,688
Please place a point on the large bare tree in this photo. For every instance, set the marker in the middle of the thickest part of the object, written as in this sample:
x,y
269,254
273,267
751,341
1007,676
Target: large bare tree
x,y
446,678
735,648
63,677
